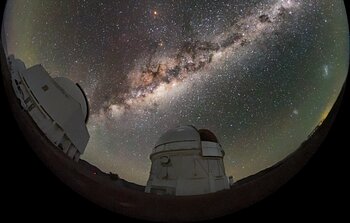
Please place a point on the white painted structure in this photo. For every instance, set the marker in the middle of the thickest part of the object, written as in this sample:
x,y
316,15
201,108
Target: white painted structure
x,y
57,105
187,161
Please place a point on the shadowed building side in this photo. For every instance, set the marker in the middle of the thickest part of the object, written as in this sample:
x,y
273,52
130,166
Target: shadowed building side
x,y
187,161
3,38
57,105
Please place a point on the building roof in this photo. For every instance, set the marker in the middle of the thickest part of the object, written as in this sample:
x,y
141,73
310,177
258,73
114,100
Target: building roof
x,y
184,138
76,92
179,134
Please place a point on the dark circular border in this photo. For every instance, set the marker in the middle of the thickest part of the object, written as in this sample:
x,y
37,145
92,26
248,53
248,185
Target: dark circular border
x,y
164,208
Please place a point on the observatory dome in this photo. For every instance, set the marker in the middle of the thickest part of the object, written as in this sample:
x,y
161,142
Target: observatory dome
x,y
184,138
75,91
187,161
58,106
180,134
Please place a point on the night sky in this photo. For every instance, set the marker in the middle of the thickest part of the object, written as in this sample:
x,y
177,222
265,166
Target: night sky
x,y
260,74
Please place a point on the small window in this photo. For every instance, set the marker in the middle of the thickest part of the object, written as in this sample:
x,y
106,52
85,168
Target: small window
x,y
165,161
45,88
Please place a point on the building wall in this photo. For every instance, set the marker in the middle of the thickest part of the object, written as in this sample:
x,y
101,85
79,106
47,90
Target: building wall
x,y
187,173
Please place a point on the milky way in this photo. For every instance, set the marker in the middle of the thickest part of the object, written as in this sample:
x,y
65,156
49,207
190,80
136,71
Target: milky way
x,y
162,73
261,74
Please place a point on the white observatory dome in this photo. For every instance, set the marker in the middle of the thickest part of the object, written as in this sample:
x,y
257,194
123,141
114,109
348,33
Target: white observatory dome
x,y
187,161
182,133
75,91
184,137
58,106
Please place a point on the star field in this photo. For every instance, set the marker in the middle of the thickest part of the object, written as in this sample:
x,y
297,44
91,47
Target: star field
x,y
260,74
